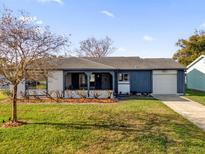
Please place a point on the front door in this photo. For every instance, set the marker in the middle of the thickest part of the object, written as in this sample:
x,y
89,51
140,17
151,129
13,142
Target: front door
x,y
98,81
106,82
75,81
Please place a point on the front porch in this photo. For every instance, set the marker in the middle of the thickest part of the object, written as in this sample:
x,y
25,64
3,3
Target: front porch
x,y
89,84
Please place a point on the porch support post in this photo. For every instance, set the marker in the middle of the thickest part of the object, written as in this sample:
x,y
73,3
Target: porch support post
x,y
64,81
113,81
88,82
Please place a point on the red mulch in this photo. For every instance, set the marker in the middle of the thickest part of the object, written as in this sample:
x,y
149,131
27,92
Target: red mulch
x,y
11,124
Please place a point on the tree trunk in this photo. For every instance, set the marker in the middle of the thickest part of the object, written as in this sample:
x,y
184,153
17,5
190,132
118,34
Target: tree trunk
x,y
14,104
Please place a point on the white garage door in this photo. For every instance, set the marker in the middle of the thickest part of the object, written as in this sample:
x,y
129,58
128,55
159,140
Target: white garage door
x,y
165,82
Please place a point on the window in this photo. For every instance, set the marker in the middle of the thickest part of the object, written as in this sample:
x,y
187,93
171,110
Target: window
x,y
92,81
75,81
92,78
82,81
126,77
37,85
123,77
40,83
120,77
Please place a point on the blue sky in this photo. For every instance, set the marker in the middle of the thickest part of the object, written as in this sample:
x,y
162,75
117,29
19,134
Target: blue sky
x,y
145,28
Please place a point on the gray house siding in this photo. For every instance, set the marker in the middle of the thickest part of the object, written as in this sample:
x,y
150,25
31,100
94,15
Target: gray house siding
x,y
180,81
141,81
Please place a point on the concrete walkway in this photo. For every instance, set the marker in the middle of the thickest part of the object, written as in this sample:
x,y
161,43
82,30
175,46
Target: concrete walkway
x,y
191,110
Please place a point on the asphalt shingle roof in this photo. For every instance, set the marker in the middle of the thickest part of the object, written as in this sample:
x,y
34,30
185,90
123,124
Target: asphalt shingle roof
x,y
118,63
80,63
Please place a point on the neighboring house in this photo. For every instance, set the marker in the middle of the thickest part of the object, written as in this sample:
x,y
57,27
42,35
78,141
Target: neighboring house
x,y
195,75
116,75
4,84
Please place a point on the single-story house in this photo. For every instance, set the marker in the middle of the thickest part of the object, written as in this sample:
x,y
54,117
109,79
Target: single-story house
x,y
110,76
195,75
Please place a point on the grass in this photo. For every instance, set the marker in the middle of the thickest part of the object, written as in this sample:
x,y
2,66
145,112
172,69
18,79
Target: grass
x,y
3,95
132,126
196,96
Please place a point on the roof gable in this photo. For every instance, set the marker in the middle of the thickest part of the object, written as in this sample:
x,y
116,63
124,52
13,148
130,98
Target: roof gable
x,y
196,61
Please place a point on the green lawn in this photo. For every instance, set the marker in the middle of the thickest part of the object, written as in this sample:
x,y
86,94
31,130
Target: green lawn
x,y
134,126
196,96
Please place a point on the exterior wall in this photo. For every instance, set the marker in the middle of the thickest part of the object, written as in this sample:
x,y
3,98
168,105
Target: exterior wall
x,y
55,81
141,81
196,76
180,81
21,87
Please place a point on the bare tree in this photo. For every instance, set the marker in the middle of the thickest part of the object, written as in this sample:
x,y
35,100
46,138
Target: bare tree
x,y
96,48
25,50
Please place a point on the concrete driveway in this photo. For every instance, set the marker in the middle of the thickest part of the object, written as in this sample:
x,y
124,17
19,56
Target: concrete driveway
x,y
191,110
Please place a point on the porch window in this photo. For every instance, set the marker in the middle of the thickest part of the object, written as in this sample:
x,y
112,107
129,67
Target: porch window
x,y
75,81
92,81
101,81
123,77
82,81
92,78
78,81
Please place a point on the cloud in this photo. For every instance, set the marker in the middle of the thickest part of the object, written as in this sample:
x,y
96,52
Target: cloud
x,y
148,38
31,19
56,1
121,49
39,22
202,25
107,13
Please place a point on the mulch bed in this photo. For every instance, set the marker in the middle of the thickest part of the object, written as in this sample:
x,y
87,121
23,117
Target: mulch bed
x,y
11,124
67,100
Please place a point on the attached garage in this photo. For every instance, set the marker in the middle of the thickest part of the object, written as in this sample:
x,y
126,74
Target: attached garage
x,y
165,82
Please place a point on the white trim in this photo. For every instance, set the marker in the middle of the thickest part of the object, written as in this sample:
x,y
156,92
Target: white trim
x,y
195,61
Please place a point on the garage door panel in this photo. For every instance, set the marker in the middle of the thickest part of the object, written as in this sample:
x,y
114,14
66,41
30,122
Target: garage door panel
x,y
165,83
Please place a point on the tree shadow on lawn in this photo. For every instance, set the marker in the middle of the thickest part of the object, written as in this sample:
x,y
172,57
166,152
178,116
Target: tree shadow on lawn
x,y
108,126
164,130
156,129
148,123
